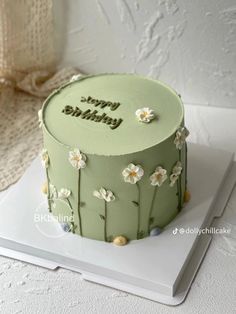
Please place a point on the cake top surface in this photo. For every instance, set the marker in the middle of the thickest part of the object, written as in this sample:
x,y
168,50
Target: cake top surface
x,y
98,115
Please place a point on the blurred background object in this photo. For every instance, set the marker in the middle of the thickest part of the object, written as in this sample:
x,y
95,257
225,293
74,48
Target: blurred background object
x,y
190,45
28,73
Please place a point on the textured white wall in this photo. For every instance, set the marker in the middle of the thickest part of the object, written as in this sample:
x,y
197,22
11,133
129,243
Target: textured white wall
x,y
186,43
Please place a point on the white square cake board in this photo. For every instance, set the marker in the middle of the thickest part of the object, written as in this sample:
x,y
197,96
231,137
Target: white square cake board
x,y
159,268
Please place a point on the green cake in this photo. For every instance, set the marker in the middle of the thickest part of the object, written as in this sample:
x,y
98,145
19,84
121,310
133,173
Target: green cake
x,y
115,156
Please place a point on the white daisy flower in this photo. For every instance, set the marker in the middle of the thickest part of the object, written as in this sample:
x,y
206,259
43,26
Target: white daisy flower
x,y
106,195
180,137
145,114
64,193
133,173
175,173
77,159
159,176
53,195
40,118
53,191
75,77
45,158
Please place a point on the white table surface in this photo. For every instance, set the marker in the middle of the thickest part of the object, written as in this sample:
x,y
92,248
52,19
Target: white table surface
x,y
26,288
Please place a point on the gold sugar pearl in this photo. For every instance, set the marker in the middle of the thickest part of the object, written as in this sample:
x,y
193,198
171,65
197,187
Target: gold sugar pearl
x,y
120,241
44,188
187,196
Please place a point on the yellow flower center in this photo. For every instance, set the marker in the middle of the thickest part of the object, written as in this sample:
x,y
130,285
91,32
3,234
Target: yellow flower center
x,y
158,176
77,158
144,114
133,174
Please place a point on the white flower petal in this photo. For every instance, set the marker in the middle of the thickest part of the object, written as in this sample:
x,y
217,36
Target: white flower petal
x,y
76,77
81,164
186,132
140,171
126,172
45,158
71,154
172,183
177,169
110,196
103,192
164,178
109,193
133,180
40,118
97,194
53,191
180,137
73,163
138,112
64,193
127,179
178,164
153,179
84,157
131,167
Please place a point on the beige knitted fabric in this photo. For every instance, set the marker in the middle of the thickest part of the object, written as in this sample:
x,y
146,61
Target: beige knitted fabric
x,y
27,75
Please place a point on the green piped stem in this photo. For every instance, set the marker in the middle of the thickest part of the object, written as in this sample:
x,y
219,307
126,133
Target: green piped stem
x,y
72,213
186,166
138,224
105,221
49,195
151,207
79,214
180,185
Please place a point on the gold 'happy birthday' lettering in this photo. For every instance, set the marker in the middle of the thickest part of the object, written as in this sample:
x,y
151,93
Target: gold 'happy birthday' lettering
x,y
100,103
93,115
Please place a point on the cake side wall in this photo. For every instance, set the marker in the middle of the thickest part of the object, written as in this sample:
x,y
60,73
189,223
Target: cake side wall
x,y
136,209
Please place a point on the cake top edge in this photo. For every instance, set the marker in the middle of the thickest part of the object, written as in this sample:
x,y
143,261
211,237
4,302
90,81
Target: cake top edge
x,y
97,112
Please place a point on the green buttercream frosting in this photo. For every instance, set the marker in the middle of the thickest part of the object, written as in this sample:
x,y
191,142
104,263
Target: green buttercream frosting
x,y
97,115
132,92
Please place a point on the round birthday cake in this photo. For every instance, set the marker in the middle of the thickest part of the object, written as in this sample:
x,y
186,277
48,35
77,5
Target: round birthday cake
x,y
115,156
